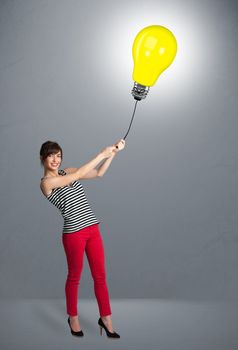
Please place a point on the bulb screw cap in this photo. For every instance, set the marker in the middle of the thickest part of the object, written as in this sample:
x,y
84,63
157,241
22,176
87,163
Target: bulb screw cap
x,y
139,91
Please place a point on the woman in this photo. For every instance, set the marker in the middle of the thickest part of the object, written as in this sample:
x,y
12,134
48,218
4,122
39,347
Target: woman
x,y
81,227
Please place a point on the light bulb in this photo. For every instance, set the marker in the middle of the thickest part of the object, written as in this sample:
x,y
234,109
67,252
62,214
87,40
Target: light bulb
x,y
153,51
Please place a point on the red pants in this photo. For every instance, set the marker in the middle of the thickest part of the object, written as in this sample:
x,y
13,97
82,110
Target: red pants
x,y
90,240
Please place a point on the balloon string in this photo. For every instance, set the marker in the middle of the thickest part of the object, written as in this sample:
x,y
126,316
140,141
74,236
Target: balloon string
x,y
131,120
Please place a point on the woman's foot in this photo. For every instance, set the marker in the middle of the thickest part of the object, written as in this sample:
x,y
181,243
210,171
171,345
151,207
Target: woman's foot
x,y
107,320
74,323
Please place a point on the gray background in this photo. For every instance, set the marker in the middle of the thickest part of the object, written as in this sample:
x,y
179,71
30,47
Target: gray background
x,y
168,203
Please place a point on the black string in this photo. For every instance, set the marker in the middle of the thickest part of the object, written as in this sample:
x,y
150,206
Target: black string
x,y
131,120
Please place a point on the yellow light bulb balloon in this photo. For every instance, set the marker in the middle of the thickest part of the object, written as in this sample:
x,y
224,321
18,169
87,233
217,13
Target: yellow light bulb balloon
x,y
153,50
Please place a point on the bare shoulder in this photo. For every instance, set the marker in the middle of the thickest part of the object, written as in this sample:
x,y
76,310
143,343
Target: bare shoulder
x,y
44,188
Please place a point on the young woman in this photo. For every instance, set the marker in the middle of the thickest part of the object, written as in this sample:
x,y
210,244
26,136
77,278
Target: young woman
x,y
81,232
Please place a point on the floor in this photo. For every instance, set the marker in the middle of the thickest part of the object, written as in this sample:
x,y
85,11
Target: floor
x,y
148,324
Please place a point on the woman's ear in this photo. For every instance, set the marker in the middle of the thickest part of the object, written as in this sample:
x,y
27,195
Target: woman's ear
x,y
41,160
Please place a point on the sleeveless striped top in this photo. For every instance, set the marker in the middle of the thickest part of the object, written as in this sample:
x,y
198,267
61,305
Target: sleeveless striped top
x,y
73,205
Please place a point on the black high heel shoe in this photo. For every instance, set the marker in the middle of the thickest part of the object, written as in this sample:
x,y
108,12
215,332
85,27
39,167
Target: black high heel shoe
x,y
77,334
109,334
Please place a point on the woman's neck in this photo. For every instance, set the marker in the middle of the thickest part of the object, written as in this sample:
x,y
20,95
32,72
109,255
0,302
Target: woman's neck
x,y
50,173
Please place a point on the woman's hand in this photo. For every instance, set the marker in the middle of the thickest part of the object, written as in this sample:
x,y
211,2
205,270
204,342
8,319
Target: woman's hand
x,y
120,145
111,150
108,151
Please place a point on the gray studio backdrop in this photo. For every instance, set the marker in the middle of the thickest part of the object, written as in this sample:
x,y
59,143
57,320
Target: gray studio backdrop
x,y
168,204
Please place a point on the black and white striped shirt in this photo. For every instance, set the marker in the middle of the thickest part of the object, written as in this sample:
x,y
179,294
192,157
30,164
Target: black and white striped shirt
x,y
73,205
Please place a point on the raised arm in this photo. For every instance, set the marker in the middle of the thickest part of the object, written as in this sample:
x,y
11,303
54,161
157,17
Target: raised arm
x,y
101,170
104,167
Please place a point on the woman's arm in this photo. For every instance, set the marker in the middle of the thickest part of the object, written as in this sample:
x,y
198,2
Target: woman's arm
x,y
97,172
104,167
100,171
90,175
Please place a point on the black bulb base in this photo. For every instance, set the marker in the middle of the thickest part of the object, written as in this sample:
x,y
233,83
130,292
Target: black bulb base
x,y
139,91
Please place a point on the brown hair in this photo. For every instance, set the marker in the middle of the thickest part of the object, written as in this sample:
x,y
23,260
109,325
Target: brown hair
x,y
48,148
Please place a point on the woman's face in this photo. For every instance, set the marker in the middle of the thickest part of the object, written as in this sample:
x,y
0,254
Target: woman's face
x,y
53,161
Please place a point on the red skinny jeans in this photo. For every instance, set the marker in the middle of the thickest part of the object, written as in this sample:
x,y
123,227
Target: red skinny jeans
x,y
89,240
